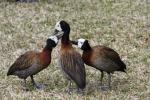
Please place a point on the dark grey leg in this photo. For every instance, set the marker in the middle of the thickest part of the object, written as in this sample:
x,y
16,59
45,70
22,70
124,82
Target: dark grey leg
x,y
32,80
104,88
36,85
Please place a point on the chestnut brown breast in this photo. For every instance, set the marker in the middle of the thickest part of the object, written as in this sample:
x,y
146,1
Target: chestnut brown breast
x,y
45,58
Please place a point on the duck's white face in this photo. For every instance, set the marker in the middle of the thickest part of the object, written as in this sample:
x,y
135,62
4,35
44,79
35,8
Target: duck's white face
x,y
54,38
80,42
58,27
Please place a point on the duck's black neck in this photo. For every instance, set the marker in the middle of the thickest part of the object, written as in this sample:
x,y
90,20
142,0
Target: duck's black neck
x,y
87,47
65,38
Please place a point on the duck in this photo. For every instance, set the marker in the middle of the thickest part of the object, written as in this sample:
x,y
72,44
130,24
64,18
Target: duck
x,y
70,60
32,62
101,57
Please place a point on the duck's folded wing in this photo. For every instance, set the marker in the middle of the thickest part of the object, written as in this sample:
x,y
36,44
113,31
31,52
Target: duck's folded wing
x,y
73,66
114,56
23,62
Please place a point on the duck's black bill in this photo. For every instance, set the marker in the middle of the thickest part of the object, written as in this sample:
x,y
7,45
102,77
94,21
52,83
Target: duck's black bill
x,y
55,32
59,35
74,42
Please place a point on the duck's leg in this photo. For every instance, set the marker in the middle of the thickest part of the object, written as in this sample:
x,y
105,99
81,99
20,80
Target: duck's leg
x,y
38,86
33,82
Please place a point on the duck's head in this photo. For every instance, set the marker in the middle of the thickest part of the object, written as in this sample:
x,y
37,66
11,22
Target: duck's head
x,y
62,27
52,41
82,44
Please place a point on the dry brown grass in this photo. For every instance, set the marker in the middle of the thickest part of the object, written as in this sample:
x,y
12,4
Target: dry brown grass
x,y
123,25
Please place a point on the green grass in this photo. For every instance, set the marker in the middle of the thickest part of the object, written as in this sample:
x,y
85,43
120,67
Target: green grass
x,y
123,25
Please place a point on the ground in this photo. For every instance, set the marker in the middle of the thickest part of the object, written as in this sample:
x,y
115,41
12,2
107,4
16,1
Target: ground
x,y
123,25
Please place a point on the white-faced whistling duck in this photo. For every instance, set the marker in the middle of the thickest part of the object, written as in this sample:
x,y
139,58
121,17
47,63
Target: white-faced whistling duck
x,y
71,61
32,62
101,58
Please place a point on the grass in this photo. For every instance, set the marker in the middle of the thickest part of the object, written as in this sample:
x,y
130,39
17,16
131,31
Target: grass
x,y
123,25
